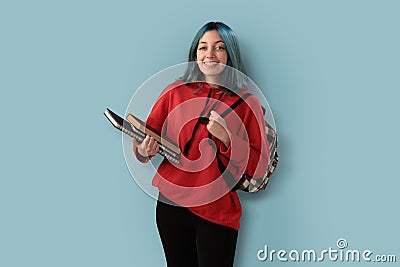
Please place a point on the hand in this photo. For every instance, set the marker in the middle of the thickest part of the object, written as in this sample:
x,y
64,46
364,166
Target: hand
x,y
217,127
149,147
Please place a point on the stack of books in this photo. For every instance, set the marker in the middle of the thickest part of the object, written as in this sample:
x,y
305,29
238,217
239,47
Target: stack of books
x,y
137,129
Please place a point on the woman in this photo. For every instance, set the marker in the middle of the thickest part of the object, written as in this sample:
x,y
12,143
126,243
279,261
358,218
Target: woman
x,y
198,213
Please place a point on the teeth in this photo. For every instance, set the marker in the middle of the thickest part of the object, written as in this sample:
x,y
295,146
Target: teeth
x,y
210,63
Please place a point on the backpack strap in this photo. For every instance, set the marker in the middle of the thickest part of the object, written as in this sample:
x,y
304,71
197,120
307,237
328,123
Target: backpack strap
x,y
235,104
226,174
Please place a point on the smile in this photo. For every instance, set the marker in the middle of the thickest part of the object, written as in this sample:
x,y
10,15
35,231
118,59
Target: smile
x,y
210,63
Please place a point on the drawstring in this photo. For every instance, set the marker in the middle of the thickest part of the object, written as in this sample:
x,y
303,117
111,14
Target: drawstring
x,y
201,120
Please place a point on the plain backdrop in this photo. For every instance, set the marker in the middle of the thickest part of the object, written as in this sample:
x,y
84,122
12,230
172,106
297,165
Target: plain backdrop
x,y
329,70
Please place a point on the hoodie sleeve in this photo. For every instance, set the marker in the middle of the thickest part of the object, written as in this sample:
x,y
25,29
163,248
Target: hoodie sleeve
x,y
157,117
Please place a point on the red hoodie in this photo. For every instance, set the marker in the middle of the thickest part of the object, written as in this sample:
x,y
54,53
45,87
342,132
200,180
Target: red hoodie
x,y
196,182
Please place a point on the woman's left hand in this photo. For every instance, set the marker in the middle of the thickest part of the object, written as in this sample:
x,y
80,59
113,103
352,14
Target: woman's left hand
x,y
217,127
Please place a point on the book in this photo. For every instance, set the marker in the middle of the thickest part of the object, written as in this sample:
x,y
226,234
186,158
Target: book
x,y
142,127
137,129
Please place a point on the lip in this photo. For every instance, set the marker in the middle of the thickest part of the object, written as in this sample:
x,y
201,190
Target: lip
x,y
210,63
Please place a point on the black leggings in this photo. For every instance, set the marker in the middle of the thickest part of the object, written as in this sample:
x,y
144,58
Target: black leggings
x,y
190,241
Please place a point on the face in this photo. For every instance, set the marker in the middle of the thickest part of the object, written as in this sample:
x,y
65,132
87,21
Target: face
x,y
211,56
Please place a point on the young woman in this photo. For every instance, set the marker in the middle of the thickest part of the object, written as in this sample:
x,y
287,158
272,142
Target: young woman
x,y
198,213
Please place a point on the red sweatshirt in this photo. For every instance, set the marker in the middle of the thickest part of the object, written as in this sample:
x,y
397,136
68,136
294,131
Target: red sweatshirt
x,y
196,182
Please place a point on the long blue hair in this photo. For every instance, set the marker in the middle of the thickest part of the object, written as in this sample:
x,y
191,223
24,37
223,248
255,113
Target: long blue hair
x,y
233,80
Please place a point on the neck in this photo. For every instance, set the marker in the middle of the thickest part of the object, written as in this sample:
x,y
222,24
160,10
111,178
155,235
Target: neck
x,y
213,81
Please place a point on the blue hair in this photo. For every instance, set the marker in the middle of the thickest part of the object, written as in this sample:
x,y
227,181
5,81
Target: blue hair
x,y
234,82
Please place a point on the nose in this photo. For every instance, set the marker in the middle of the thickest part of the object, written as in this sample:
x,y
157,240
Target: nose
x,y
210,53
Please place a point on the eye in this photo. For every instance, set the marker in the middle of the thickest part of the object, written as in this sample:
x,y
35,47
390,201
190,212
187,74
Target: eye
x,y
202,48
220,47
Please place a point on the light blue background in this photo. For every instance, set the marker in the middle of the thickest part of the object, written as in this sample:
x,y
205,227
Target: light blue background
x,y
328,68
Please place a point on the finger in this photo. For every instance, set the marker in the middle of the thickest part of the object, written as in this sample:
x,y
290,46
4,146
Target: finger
x,y
214,123
142,146
146,140
149,143
212,120
152,142
212,127
216,116
156,147
212,116
213,113
152,147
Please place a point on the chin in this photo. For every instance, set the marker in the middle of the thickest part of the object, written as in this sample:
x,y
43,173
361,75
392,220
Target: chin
x,y
211,70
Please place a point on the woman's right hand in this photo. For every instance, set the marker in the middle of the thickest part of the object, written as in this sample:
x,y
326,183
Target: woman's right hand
x,y
149,147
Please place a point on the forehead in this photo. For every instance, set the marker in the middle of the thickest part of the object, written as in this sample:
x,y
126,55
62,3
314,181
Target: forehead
x,y
212,36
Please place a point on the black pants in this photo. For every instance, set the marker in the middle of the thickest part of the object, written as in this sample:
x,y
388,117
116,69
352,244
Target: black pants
x,y
190,241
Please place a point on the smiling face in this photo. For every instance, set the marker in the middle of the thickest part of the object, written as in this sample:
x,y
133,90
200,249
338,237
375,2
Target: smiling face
x,y
211,56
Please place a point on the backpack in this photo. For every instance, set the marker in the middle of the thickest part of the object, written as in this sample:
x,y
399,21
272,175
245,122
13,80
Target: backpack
x,y
247,183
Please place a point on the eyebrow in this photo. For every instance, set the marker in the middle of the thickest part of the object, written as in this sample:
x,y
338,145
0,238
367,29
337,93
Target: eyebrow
x,y
220,41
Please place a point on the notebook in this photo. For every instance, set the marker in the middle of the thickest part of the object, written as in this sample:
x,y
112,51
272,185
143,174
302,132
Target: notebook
x,y
137,129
